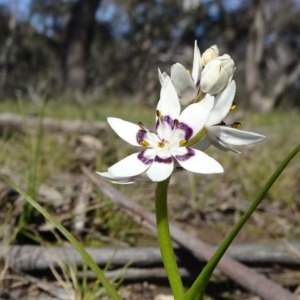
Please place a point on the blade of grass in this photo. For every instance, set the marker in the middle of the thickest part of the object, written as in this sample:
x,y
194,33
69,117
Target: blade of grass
x,y
87,258
34,157
198,287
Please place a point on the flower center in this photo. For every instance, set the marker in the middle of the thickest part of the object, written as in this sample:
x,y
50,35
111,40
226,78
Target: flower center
x,y
165,144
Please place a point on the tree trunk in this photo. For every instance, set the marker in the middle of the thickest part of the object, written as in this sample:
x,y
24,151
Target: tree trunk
x,y
77,42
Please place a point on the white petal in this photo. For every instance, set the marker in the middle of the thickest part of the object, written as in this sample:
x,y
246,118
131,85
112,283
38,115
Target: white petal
x,y
113,179
125,130
161,168
165,128
168,103
216,142
197,65
195,115
183,83
214,77
213,137
235,136
222,106
133,165
162,76
124,180
196,161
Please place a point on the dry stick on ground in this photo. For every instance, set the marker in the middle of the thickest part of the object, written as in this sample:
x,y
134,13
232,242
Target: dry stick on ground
x,y
236,271
33,258
13,122
134,274
291,278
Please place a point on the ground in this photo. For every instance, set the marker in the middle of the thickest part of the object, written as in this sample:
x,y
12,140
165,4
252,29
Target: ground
x,y
47,166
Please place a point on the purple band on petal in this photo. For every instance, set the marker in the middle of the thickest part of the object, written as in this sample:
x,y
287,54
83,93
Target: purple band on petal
x,y
144,159
188,131
140,135
190,153
166,119
167,160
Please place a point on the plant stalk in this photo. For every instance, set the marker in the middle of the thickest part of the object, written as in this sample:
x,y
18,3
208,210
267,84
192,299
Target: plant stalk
x,y
165,241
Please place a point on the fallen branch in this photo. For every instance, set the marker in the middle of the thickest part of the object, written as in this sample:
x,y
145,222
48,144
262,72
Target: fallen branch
x,y
236,271
33,258
137,274
16,123
30,258
290,278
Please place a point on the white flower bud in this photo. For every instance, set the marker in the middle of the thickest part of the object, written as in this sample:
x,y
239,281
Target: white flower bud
x,y
217,74
209,54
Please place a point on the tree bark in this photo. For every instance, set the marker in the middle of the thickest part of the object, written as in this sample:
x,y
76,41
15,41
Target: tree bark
x,y
77,42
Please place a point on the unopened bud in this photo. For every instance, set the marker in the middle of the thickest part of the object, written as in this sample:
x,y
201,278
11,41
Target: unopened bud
x,y
209,54
217,74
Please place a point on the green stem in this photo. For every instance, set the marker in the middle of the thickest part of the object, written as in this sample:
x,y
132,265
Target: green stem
x,y
198,288
86,257
165,241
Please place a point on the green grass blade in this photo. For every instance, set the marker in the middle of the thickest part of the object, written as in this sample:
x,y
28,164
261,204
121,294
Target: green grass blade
x,y
34,155
87,258
198,288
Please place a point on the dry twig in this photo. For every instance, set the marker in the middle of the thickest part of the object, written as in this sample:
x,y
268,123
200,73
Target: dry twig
x,y
14,122
33,258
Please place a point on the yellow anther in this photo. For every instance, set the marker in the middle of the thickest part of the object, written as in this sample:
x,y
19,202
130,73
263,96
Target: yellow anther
x,y
188,71
160,144
236,125
159,114
182,142
176,122
233,106
144,143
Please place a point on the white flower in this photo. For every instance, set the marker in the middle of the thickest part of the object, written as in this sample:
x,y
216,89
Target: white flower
x,y
164,150
209,54
217,74
220,134
186,85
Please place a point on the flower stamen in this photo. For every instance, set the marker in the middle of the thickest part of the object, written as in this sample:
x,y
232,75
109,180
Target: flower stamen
x,y
159,114
182,143
160,144
176,123
233,106
144,143
236,125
